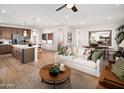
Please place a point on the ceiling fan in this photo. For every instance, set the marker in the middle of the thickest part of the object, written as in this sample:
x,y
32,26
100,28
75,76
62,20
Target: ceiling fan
x,y
72,6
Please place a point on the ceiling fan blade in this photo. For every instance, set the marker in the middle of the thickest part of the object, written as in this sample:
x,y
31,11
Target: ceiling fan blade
x,y
74,9
61,7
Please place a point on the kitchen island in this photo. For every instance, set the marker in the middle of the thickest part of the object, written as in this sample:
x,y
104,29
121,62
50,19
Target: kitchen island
x,y
25,53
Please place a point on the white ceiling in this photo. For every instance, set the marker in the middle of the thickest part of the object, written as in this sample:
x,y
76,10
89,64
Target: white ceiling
x,y
45,14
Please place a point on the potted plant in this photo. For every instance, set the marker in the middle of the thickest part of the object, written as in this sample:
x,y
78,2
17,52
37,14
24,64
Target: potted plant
x,y
119,38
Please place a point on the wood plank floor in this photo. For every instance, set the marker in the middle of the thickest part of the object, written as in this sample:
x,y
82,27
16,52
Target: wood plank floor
x,y
15,75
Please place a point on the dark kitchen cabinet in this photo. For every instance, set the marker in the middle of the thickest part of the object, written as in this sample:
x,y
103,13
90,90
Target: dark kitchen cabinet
x,y
20,32
29,33
14,31
1,33
7,32
8,48
4,49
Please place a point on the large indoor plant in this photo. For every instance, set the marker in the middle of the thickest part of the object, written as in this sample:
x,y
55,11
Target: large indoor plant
x,y
119,38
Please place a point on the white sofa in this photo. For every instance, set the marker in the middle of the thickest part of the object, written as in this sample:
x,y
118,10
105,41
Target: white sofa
x,y
77,62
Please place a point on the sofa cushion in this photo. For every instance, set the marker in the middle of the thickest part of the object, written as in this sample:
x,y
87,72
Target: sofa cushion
x,y
83,62
68,51
75,51
118,68
96,55
81,51
68,58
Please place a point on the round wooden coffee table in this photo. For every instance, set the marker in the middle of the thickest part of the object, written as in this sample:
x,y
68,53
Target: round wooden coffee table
x,y
59,79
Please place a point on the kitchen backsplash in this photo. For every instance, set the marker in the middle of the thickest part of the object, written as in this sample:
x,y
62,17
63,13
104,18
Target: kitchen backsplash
x,y
5,41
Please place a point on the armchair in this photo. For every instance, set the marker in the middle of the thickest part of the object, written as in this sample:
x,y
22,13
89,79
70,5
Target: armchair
x,y
108,80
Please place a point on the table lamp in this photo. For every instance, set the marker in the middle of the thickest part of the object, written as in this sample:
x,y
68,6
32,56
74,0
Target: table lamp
x,y
121,44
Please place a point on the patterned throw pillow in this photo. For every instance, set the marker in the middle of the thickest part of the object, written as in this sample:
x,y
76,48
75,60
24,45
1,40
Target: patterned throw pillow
x,y
118,68
68,51
86,54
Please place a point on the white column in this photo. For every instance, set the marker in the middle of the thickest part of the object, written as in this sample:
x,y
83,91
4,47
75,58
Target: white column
x,y
56,54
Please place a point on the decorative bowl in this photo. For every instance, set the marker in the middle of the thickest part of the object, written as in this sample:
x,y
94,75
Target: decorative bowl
x,y
54,70
94,44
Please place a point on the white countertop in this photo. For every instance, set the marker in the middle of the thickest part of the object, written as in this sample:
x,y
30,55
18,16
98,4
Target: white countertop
x,y
25,46
5,44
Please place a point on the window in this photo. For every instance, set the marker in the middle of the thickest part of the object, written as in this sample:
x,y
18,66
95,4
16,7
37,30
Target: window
x,y
50,38
47,38
44,38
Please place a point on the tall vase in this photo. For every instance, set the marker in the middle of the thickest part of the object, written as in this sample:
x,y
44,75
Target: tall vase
x,y
56,54
62,67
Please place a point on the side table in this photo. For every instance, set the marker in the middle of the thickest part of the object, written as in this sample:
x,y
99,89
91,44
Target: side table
x,y
110,62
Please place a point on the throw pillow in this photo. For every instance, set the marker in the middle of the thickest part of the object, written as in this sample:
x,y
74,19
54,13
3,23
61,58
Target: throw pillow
x,y
64,51
96,55
118,68
81,51
92,51
86,54
68,51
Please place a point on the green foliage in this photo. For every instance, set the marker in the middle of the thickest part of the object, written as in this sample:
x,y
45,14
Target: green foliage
x,y
62,50
117,54
119,38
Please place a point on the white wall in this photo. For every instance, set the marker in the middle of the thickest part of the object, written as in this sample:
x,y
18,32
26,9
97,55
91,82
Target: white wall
x,y
60,34
84,32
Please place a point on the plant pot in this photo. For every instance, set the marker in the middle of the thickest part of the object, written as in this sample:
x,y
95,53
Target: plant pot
x,y
94,44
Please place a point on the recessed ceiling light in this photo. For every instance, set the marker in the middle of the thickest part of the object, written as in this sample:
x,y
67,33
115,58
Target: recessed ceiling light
x,y
66,16
0,16
38,19
117,5
3,11
34,29
40,27
82,22
56,23
109,18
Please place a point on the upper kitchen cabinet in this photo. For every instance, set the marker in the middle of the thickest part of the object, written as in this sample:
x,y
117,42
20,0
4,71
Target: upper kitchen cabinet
x,y
1,33
20,31
7,32
14,31
27,33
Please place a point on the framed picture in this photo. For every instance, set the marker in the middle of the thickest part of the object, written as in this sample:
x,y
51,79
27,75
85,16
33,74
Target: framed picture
x,y
44,38
50,38
47,38
69,37
102,37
